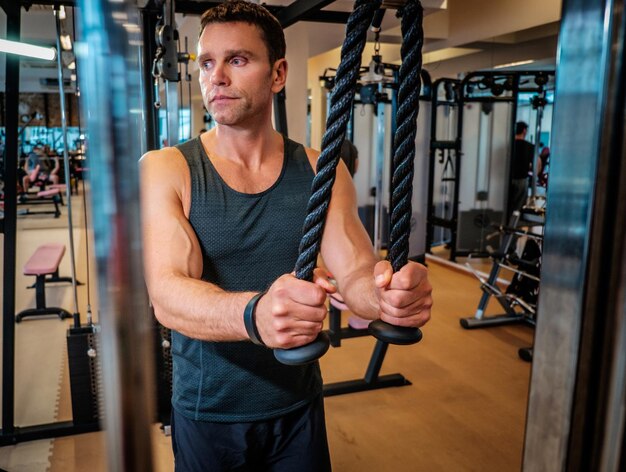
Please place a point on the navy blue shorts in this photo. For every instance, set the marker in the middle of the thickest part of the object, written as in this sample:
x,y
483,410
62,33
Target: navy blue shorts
x,y
295,442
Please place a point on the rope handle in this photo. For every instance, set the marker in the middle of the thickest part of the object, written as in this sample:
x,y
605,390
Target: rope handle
x,y
341,101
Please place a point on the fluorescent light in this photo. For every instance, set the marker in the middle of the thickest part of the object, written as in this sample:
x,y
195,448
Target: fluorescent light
x,y
66,42
61,12
73,77
72,65
514,64
29,50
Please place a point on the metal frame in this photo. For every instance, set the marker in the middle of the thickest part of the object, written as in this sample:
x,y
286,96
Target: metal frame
x,y
10,433
575,416
298,10
371,380
490,288
445,147
464,95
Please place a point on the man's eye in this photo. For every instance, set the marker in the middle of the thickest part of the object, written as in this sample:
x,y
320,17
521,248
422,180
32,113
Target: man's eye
x,y
237,61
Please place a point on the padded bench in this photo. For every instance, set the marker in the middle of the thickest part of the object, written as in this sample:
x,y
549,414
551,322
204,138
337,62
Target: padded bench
x,y
53,196
44,265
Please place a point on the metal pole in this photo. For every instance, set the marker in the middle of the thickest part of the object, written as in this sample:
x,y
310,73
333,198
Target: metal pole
x,y
514,107
151,119
111,88
171,78
580,256
12,92
66,165
536,152
172,108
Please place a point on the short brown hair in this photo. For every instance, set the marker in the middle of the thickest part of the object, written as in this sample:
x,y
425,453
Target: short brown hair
x,y
251,13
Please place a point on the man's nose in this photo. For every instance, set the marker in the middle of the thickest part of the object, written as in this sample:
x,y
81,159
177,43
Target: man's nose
x,y
219,75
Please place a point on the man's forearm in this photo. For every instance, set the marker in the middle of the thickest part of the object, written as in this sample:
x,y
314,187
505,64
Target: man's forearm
x,y
199,309
359,293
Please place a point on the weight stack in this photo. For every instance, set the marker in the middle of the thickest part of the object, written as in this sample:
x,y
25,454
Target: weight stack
x,y
163,363
83,364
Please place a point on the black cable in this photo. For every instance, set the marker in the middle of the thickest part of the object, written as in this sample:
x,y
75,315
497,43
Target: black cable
x,y
68,182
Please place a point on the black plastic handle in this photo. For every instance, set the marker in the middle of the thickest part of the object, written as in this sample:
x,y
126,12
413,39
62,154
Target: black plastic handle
x,y
394,334
304,354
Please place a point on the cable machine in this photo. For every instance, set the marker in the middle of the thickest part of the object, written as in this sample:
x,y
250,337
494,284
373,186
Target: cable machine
x,y
375,108
80,339
471,164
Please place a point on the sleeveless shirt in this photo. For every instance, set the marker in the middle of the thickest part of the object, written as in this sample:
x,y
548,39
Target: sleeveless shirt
x,y
247,242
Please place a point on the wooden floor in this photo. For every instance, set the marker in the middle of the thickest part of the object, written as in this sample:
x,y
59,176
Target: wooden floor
x,y
465,409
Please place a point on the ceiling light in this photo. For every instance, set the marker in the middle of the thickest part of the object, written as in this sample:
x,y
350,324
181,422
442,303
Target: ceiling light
x,y
72,65
66,42
514,64
73,77
61,12
29,50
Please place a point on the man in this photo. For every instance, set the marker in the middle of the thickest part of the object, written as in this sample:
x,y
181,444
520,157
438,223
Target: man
x,y
521,164
222,220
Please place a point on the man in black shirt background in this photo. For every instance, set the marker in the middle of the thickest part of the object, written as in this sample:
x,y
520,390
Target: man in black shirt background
x,y
521,164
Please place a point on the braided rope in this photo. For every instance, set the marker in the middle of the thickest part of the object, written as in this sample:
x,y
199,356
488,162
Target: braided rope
x,y
404,140
340,106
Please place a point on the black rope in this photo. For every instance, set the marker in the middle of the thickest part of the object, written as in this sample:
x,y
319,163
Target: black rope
x,y
411,15
340,106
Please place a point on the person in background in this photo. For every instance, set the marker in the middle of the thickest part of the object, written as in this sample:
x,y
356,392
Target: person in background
x,y
521,165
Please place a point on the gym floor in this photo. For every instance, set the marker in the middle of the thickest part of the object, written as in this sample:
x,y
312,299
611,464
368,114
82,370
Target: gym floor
x,y
465,409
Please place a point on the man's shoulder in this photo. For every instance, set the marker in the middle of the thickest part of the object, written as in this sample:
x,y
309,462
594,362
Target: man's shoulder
x,y
168,159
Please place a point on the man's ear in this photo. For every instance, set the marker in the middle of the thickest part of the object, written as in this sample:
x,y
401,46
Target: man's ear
x,y
279,75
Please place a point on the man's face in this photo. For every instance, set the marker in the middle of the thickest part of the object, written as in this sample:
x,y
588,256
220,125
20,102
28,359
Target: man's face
x,y
236,79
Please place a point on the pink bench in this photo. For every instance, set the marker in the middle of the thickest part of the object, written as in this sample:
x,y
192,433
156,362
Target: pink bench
x,y
44,265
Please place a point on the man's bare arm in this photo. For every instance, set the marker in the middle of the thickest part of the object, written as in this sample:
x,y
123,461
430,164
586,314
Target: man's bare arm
x,y
367,284
173,259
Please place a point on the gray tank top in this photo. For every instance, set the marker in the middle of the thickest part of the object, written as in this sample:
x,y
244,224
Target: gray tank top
x,y
247,241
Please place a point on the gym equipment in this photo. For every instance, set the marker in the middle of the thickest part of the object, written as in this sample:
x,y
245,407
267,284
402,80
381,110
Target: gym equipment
x,y
44,265
375,110
11,434
111,83
44,197
163,364
575,414
445,149
538,103
82,349
371,379
165,67
468,172
341,103
66,166
519,300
